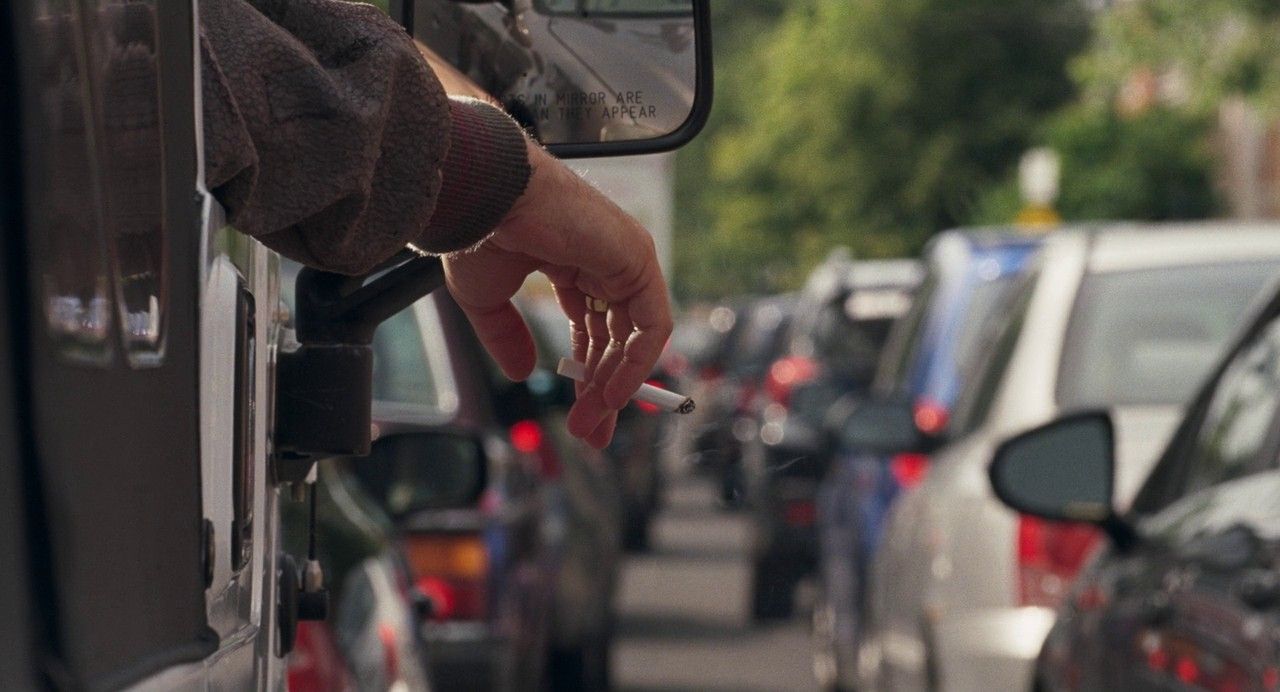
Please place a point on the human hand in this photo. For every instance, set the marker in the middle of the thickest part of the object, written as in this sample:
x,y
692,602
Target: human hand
x,y
587,247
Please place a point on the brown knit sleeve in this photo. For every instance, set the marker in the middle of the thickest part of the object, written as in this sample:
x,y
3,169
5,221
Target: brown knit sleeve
x,y
485,171
324,129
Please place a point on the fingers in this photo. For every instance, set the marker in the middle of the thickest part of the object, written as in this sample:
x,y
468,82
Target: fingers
x,y
603,434
641,337
505,335
483,283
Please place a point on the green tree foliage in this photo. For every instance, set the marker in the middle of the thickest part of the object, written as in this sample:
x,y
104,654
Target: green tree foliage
x,y
1206,50
870,124
1155,161
1153,166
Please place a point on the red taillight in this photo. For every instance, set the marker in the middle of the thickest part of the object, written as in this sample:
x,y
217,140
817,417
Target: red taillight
x,y
930,417
800,513
1186,670
646,406
450,569
785,374
528,437
1050,554
453,599
909,469
390,651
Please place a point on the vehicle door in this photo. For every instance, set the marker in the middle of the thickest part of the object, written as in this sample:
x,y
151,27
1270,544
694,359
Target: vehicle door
x,y
1199,603
136,297
105,265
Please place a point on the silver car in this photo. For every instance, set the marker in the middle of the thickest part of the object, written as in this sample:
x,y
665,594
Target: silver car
x,y
1127,318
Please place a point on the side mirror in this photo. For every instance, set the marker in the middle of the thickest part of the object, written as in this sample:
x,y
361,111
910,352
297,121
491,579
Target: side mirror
x,y
586,77
877,424
417,471
1063,471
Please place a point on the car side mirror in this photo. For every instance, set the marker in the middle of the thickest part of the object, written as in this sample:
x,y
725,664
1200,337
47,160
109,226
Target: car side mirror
x,y
585,77
1063,471
877,424
410,472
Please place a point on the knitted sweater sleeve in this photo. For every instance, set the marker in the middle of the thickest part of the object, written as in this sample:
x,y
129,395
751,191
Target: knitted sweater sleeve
x,y
328,138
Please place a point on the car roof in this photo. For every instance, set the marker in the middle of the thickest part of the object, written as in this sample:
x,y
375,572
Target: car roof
x,y
1134,246
879,273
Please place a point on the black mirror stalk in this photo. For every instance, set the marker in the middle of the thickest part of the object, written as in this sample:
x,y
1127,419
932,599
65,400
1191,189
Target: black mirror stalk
x,y
324,392
1122,534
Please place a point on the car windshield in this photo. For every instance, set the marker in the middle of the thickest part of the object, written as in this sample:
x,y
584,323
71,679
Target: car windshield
x,y
1149,337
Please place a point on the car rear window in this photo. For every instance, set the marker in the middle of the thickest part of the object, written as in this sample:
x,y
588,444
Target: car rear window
x,y
401,370
905,338
1150,336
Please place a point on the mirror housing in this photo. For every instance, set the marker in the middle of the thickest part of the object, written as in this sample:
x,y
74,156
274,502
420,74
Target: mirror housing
x,y
414,471
583,78
1063,471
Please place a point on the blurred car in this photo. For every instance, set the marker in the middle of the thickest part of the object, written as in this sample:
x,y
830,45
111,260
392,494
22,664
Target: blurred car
x,y
370,640
467,495
1125,317
590,508
756,338
1187,593
969,275
839,325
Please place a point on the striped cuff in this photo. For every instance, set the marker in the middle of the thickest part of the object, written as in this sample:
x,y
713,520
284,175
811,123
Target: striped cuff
x,y
484,172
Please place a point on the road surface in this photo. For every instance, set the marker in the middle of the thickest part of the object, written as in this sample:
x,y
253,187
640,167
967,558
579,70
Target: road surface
x,y
682,609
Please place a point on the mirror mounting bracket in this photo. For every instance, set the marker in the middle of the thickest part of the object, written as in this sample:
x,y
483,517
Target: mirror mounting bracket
x,y
324,387
1124,537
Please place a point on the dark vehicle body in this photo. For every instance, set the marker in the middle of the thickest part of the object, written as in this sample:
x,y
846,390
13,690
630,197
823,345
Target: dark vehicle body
x,y
139,542
924,367
591,509
487,563
757,336
1188,593
839,325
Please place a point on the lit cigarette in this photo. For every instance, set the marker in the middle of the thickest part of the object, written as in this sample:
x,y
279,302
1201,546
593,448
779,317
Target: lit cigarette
x,y
668,401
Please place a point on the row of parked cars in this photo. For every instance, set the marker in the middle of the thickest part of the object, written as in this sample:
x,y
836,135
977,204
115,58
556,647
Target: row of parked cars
x,y
479,545
1061,474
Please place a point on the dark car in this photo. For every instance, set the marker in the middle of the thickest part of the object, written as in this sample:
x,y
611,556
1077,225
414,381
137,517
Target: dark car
x,y
839,325
924,367
487,561
590,508
1187,595
756,337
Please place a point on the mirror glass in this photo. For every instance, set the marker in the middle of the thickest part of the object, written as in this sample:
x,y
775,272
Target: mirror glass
x,y
573,72
413,472
1061,471
877,424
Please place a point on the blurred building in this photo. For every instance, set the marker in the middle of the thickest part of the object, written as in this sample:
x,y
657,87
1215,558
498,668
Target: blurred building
x,y
644,186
